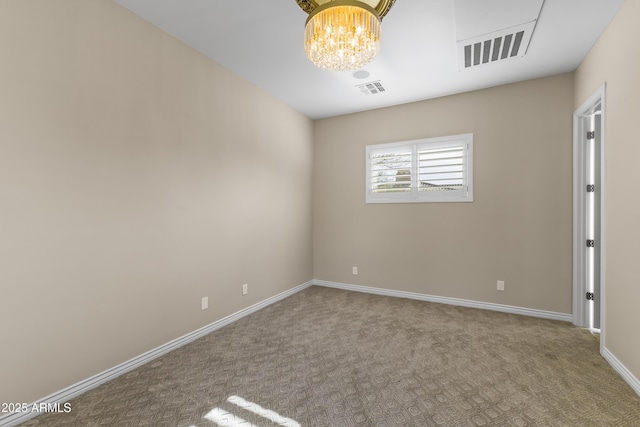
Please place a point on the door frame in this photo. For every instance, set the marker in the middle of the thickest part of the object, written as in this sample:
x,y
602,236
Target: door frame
x,y
580,307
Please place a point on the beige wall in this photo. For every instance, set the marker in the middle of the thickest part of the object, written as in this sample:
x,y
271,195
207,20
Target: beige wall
x,y
615,59
136,176
517,229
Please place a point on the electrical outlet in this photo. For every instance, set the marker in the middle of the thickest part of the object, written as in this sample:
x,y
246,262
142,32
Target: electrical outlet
x,y
245,289
501,285
205,303
355,271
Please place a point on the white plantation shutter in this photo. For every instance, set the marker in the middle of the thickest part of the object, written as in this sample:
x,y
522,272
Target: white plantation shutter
x,y
391,171
429,170
442,169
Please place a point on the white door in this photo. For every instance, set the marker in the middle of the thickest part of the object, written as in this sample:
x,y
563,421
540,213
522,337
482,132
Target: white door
x,y
592,206
588,195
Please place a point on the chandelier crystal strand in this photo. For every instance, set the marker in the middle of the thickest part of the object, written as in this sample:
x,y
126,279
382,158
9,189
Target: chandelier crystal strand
x,y
342,37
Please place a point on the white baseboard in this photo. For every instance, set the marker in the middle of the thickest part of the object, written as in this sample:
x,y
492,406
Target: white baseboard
x,y
446,300
622,370
77,389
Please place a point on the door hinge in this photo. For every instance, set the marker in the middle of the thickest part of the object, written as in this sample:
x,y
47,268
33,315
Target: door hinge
x,y
591,135
591,243
591,296
591,188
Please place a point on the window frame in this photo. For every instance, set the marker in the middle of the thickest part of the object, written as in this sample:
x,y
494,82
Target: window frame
x,y
414,195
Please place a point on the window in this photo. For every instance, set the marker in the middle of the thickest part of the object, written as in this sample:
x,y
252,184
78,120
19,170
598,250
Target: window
x,y
426,170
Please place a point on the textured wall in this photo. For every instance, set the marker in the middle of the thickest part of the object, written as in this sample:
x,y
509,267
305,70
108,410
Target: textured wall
x,y
517,229
136,176
615,59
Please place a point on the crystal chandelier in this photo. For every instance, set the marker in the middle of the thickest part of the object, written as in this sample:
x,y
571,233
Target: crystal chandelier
x,y
343,35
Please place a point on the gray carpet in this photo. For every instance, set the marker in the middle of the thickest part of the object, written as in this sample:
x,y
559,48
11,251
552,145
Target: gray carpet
x,y
327,357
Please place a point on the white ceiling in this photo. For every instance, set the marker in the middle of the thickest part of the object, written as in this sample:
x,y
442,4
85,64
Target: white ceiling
x,y
262,42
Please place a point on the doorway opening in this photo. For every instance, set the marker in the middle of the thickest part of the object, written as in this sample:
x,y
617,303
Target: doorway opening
x,y
588,213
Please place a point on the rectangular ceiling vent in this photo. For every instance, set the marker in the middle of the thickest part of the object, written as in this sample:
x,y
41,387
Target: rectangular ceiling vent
x,y
493,47
371,88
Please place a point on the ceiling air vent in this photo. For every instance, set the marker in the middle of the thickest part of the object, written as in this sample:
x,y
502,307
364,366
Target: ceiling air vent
x,y
371,88
497,46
